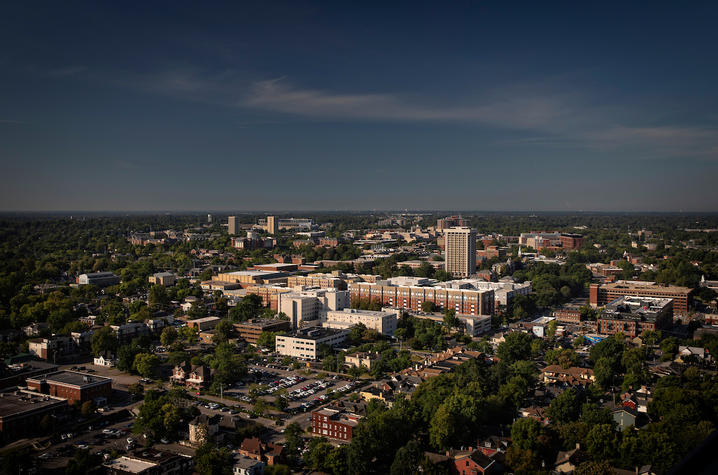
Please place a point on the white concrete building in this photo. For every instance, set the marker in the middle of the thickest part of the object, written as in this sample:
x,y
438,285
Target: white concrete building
x,y
305,343
383,322
309,304
475,325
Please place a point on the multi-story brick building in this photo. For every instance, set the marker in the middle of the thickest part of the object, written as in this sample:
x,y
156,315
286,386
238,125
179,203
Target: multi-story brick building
x,y
22,411
251,329
334,423
570,241
467,301
601,294
568,314
634,315
74,386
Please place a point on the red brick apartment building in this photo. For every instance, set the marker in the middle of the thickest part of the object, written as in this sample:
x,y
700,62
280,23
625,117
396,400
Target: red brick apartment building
x,y
464,301
602,294
571,241
334,423
73,386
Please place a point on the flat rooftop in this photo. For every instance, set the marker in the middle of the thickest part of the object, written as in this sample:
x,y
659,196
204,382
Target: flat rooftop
x,y
367,313
314,333
254,273
129,464
18,402
72,378
204,319
638,284
638,305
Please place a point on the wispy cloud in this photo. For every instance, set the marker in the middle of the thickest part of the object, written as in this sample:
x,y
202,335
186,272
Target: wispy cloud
x,y
550,115
528,112
555,119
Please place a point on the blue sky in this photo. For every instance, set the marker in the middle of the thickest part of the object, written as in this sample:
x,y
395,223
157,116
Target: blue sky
x,y
328,105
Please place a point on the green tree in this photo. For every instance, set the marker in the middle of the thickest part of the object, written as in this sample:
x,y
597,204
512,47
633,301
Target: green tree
x,y
209,460
594,468
601,442
565,408
525,433
146,364
450,319
428,307
104,341
168,336
407,459
157,296
603,372
268,339
223,331
517,346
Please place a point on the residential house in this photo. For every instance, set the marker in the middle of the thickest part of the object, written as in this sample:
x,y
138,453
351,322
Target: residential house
x,y
269,453
472,462
192,376
567,461
247,466
202,428
108,361
573,377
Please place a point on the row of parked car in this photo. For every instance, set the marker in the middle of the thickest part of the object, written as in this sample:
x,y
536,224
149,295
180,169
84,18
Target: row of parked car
x,y
309,390
284,383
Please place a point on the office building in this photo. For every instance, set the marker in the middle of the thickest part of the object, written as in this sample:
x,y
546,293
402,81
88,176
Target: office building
x,y
232,225
74,386
22,411
251,329
460,251
633,315
601,294
305,342
204,323
249,277
304,305
383,322
272,224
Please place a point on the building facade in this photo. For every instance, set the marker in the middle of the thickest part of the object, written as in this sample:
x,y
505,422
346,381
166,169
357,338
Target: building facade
x,y
305,343
232,225
634,315
311,304
602,294
465,301
250,330
460,251
334,424
74,386
383,322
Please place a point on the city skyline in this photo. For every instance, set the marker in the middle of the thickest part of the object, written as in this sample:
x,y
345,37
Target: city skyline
x,y
380,107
